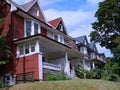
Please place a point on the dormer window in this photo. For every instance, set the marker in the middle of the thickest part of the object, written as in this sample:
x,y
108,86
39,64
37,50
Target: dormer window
x,y
36,12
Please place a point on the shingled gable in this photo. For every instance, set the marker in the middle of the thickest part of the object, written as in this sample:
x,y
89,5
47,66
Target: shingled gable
x,y
56,22
30,6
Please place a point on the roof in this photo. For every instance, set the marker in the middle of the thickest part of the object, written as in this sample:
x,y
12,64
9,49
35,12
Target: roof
x,y
80,39
28,5
25,6
92,45
55,22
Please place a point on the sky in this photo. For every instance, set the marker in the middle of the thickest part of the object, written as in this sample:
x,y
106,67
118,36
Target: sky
x,y
76,14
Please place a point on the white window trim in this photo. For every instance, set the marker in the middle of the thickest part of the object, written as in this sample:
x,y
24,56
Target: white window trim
x,y
32,27
37,45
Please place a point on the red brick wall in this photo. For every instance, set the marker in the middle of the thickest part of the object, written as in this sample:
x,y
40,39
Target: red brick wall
x,y
43,31
27,64
18,26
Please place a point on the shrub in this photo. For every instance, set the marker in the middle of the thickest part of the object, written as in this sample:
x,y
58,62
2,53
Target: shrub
x,y
57,76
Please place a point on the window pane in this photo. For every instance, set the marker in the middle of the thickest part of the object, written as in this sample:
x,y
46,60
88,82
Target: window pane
x,y
28,28
21,50
35,28
56,37
32,46
26,48
36,11
61,39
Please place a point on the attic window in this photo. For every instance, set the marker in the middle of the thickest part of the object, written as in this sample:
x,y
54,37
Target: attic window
x,y
36,12
60,27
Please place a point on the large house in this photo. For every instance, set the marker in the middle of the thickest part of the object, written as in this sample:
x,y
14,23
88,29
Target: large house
x,y
38,45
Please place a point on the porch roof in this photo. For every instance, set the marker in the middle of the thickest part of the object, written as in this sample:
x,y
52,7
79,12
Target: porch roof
x,y
51,47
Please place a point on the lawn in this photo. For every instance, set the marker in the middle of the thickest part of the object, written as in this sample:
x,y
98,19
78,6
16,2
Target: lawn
x,y
67,85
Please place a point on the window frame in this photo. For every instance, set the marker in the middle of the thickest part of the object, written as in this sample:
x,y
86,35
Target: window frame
x,y
37,11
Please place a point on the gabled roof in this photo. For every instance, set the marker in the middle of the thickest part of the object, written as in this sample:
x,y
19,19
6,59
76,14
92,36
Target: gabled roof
x,y
28,5
81,39
92,46
55,22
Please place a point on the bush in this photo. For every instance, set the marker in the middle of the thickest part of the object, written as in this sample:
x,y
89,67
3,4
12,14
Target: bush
x,y
57,76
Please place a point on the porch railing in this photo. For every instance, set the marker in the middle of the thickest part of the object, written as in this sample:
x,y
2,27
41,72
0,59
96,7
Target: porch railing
x,y
51,66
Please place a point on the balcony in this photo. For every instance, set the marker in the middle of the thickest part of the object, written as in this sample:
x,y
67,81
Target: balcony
x,y
51,66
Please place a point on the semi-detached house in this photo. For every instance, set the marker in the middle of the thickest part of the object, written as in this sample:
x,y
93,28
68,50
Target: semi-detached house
x,y
37,45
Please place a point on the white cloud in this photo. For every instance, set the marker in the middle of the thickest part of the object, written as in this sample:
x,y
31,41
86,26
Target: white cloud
x,y
71,18
48,2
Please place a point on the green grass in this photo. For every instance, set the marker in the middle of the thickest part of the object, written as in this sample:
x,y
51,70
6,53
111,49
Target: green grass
x,y
67,85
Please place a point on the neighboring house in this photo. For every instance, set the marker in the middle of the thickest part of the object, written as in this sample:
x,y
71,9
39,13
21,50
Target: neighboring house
x,y
91,58
38,46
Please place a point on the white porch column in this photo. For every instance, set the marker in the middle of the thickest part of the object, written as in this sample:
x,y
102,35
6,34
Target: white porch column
x,y
40,66
37,47
93,64
83,64
67,65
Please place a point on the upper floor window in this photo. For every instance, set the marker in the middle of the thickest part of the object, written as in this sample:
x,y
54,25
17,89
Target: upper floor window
x,y
60,27
36,12
83,50
31,28
28,28
36,28
56,37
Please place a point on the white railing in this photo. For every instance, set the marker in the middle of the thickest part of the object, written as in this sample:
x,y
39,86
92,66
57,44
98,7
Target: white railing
x,y
51,66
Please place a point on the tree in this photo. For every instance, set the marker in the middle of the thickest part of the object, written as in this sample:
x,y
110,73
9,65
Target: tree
x,y
5,52
107,26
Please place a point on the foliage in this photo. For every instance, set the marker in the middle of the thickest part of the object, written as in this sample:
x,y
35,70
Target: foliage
x,y
107,26
110,71
57,76
116,52
5,52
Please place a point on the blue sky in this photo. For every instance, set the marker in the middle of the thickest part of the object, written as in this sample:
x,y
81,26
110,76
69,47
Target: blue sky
x,y
77,15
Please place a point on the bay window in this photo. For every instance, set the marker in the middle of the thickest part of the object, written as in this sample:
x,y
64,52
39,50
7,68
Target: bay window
x,y
31,28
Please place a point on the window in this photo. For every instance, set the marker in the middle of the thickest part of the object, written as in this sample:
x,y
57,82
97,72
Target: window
x,y
28,28
31,28
36,28
21,50
26,48
56,37
36,12
32,46
60,27
61,39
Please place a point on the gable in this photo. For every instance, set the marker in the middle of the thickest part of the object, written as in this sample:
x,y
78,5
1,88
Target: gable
x,y
40,15
61,27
